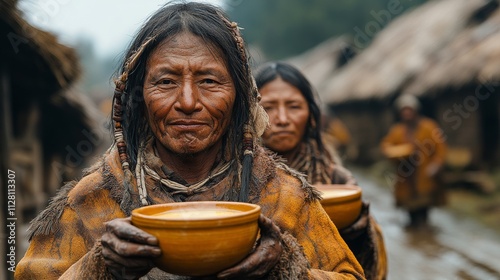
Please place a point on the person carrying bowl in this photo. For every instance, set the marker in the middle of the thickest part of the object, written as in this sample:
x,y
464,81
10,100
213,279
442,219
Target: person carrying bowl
x,y
416,185
186,123
295,134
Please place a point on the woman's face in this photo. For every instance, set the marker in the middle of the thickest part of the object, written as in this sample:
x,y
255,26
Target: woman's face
x,y
189,94
288,115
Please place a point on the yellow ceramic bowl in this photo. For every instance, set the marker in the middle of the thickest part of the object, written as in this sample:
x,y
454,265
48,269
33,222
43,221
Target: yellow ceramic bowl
x,y
200,238
341,202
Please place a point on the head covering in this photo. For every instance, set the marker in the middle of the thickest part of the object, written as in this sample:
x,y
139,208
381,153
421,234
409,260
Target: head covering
x,y
407,101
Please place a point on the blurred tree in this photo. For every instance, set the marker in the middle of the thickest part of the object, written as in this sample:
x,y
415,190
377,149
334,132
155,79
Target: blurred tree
x,y
281,28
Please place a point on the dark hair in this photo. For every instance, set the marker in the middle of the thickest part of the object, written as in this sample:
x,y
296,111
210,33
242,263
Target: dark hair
x,y
274,70
203,20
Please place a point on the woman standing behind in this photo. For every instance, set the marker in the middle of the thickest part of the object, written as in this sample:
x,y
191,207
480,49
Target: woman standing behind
x,y
295,134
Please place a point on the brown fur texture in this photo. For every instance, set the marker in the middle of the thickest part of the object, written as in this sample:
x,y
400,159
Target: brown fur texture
x,y
293,264
279,162
92,266
47,221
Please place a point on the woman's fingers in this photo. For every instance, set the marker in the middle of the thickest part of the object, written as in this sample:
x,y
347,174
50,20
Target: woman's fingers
x,y
124,229
263,259
117,261
267,227
128,249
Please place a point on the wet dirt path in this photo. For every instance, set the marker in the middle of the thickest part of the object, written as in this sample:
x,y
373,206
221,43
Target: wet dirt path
x,y
452,247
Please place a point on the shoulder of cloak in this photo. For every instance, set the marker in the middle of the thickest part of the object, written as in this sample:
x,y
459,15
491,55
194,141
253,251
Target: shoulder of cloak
x,y
268,166
99,176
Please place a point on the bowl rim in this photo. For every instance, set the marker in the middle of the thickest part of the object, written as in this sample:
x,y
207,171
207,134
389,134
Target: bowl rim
x,y
139,218
353,196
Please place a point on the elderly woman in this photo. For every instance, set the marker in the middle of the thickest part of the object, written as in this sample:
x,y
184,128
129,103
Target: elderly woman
x,y
295,134
186,119
416,187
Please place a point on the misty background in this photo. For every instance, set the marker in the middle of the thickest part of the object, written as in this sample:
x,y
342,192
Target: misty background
x,y
278,29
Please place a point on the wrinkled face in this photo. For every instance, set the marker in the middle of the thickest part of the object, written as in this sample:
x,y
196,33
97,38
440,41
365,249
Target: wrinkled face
x,y
189,94
288,115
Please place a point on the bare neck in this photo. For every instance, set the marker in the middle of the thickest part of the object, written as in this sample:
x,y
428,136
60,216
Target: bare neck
x,y
193,167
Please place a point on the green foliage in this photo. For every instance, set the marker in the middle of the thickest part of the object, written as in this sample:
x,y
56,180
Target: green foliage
x,y
281,28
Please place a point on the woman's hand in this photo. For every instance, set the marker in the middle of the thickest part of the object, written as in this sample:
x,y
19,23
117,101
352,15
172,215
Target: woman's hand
x,y
359,227
263,259
127,250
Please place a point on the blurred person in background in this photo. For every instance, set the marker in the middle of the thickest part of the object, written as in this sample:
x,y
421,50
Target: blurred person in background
x,y
186,124
335,133
295,135
417,147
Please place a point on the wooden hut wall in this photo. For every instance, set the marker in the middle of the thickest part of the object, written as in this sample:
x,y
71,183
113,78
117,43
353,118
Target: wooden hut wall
x,y
497,157
460,119
47,118
469,117
368,122
490,128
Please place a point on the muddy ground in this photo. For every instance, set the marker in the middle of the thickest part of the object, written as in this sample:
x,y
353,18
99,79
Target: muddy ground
x,y
461,242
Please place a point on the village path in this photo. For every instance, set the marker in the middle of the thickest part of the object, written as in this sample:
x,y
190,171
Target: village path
x,y
453,247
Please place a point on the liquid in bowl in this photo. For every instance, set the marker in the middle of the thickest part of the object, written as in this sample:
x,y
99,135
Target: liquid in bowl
x,y
195,213
337,193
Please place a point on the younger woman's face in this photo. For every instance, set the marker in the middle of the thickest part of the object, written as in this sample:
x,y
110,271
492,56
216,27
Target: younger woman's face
x,y
288,115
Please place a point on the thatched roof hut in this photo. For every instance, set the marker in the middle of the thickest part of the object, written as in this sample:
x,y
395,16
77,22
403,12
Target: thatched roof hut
x,y
446,52
41,117
28,50
320,63
409,46
472,57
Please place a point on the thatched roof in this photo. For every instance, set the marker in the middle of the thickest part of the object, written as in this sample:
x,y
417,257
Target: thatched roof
x,y
41,73
472,58
32,52
406,51
319,63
